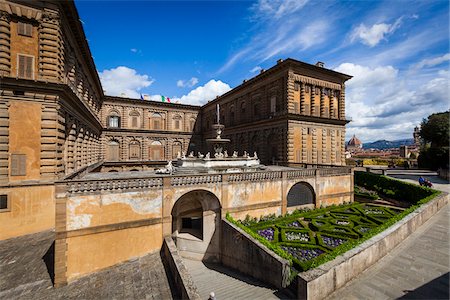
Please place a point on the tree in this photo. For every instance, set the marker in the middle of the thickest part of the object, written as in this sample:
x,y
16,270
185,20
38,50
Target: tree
x,y
435,133
435,129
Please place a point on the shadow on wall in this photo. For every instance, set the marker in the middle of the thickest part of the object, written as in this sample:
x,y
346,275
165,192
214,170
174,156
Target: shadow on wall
x,y
435,289
49,260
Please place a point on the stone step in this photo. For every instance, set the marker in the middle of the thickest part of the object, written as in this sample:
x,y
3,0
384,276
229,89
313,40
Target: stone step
x,y
226,283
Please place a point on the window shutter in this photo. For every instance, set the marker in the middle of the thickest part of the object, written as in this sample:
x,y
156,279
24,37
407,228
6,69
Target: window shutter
x,y
18,164
28,30
21,70
29,67
20,28
25,29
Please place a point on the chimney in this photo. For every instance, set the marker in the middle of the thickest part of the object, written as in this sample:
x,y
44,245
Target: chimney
x,y
244,81
320,64
279,61
262,71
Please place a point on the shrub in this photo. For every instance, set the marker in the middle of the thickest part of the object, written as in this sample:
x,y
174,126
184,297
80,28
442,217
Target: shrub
x,y
392,188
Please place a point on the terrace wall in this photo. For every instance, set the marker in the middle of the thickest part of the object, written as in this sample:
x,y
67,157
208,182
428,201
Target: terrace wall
x,y
320,282
114,220
245,254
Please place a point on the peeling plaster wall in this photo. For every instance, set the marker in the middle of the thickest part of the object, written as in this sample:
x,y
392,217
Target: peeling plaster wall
x,y
95,210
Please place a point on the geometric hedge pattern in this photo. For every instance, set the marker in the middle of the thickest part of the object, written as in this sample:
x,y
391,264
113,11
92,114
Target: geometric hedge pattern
x,y
311,234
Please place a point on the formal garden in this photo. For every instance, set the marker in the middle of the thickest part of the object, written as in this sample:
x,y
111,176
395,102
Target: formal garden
x,y
308,238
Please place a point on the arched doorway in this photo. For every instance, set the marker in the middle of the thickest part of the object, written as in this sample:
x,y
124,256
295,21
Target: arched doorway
x,y
196,225
301,194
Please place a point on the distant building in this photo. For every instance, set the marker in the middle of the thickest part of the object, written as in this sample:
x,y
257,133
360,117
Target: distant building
x,y
354,144
404,152
416,135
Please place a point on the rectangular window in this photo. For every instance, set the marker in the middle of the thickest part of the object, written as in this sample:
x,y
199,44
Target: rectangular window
x,y
4,205
134,122
114,121
307,89
25,29
273,103
177,124
297,86
18,164
25,65
156,124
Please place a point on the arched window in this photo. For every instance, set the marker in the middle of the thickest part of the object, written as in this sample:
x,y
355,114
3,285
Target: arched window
x,y
112,151
176,149
192,124
156,121
301,193
256,112
113,120
177,124
134,119
156,151
243,108
135,150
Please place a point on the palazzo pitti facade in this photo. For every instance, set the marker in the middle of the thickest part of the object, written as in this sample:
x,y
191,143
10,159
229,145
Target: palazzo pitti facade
x,y
56,123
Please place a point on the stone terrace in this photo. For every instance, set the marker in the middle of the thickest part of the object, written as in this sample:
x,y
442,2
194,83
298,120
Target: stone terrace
x,y
24,275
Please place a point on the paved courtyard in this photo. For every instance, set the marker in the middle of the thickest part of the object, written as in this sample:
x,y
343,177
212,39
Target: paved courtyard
x,y
24,275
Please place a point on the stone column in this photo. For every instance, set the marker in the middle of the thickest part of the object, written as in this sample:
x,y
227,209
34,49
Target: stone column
x,y
322,102
304,145
341,103
302,98
332,112
312,103
333,146
342,146
314,145
50,45
71,148
324,146
5,44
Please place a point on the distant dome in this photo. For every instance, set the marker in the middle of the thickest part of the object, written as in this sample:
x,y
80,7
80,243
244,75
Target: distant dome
x,y
355,142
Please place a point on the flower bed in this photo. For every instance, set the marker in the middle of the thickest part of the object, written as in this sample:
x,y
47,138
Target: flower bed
x,y
307,236
311,237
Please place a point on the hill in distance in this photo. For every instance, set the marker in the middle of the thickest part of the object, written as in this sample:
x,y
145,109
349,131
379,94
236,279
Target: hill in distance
x,y
383,144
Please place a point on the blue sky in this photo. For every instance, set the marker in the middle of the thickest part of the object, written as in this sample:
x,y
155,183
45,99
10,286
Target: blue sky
x,y
397,51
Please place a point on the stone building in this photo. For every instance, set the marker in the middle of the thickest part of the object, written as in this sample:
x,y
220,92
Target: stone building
x,y
137,130
354,144
60,137
293,113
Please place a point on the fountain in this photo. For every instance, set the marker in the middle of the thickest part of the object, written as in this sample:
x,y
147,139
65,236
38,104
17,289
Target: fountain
x,y
221,160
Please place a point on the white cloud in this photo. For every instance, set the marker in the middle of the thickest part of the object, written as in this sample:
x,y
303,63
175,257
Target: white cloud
x,y
124,81
134,50
187,83
205,93
277,8
384,104
431,62
373,35
256,69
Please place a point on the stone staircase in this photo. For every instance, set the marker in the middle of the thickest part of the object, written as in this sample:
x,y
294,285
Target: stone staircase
x,y
227,284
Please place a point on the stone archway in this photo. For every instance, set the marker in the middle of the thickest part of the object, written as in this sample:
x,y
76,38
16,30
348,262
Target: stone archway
x,y
196,218
301,194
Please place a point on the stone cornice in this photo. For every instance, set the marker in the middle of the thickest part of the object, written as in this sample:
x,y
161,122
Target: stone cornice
x,y
112,100
147,131
282,66
54,88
